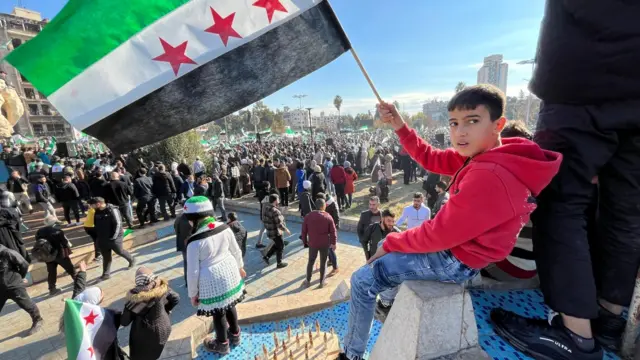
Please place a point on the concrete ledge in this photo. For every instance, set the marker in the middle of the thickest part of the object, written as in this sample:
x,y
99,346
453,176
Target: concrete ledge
x,y
428,320
288,306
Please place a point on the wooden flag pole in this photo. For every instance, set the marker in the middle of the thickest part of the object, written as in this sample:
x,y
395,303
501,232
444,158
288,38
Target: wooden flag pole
x,y
353,52
366,75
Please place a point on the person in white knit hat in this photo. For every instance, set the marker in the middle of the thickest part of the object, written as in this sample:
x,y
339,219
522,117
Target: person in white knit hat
x,y
215,273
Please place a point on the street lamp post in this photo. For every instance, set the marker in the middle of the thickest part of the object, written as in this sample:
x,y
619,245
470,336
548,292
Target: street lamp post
x,y
529,99
255,120
300,97
310,127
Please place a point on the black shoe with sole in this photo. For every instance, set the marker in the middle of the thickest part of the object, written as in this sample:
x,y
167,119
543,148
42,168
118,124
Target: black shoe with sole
x,y
234,339
282,265
105,277
133,263
54,292
216,347
382,311
265,259
538,339
608,329
260,246
36,326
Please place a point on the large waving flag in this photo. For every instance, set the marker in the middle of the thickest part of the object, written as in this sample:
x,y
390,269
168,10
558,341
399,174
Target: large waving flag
x,y
88,329
134,72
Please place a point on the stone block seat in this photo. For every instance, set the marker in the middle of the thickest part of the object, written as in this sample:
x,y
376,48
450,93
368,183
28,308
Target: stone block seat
x,y
428,320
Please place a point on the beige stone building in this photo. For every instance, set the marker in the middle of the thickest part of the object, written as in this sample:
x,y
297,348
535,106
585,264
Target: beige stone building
x,y
40,117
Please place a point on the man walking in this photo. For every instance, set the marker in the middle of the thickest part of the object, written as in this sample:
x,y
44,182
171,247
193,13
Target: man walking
x,y
368,217
319,235
117,194
18,186
275,226
164,190
70,197
142,190
108,225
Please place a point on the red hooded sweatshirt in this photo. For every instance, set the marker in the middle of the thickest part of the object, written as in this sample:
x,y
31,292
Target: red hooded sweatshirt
x,y
491,198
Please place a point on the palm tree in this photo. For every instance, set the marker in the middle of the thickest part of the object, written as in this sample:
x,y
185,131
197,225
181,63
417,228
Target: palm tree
x,y
337,102
461,85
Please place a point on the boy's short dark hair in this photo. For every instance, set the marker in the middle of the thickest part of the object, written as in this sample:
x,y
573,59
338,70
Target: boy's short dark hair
x,y
320,203
273,197
320,196
442,185
516,128
232,216
97,200
418,195
388,213
142,172
473,96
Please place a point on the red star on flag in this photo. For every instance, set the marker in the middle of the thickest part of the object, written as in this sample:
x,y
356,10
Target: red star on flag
x,y
91,351
174,55
271,6
223,27
211,225
90,319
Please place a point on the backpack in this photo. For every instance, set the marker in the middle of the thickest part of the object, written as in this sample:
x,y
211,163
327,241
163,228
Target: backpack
x,y
43,251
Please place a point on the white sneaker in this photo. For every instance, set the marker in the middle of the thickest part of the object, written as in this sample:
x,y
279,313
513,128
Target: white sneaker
x,y
78,223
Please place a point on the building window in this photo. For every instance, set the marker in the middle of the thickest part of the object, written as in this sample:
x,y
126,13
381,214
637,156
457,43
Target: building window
x,y
38,129
33,109
12,24
46,110
29,93
57,130
32,27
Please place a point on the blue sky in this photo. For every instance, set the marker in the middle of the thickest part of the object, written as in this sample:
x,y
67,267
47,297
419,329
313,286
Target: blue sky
x,y
414,50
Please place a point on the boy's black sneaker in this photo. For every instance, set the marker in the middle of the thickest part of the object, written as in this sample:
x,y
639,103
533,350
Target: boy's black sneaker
x,y
382,311
282,265
216,347
54,292
538,339
608,329
265,259
234,339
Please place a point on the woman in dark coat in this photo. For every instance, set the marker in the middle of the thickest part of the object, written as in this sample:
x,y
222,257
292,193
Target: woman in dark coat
x,y
317,182
147,309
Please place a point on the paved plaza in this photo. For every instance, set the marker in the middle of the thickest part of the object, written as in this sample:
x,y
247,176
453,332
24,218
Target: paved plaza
x,y
262,282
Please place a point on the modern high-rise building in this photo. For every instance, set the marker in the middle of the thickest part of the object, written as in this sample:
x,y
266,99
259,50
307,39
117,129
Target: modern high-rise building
x,y
40,117
494,71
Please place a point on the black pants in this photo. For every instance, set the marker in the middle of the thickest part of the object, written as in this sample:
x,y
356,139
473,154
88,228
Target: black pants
x,y
146,207
277,248
350,199
594,140
231,315
233,191
284,196
342,199
52,270
94,237
164,202
313,255
124,210
116,246
67,206
20,296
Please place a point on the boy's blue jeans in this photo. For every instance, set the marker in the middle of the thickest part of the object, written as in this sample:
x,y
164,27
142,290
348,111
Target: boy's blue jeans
x,y
384,275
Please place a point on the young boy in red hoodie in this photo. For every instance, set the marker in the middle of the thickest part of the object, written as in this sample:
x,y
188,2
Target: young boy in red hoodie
x,y
492,191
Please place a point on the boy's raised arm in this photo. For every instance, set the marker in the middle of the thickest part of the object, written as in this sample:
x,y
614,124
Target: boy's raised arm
x,y
445,162
465,217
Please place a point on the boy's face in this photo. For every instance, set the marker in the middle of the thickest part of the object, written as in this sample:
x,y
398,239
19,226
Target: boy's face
x,y
472,131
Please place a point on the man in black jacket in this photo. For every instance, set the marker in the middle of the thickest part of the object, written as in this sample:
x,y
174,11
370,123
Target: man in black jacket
x,y
376,232
367,218
183,230
13,268
142,190
17,185
59,243
97,185
587,75
117,193
164,190
69,196
217,196
108,226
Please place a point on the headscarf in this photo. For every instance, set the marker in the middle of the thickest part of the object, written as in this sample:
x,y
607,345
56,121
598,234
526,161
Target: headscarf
x,y
145,280
306,184
347,164
90,295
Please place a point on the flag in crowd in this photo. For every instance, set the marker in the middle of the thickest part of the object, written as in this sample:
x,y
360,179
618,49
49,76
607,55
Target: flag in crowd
x,y
51,148
89,330
156,68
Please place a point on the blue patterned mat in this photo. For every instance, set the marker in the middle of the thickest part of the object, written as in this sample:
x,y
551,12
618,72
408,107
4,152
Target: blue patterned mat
x,y
253,336
527,303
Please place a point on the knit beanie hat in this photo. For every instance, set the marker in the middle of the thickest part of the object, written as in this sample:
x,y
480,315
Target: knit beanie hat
x,y
198,205
306,184
347,164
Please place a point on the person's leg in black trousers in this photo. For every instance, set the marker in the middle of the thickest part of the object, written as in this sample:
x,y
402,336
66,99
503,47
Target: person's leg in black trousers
x,y
115,246
313,255
75,206
94,237
20,296
284,195
52,271
164,202
141,211
334,260
105,249
66,208
599,140
119,250
220,328
277,248
233,192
